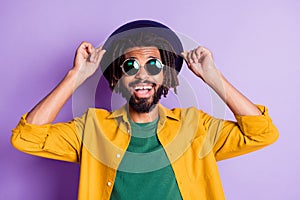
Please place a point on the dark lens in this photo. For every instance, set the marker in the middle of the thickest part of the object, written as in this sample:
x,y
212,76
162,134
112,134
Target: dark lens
x,y
153,66
130,67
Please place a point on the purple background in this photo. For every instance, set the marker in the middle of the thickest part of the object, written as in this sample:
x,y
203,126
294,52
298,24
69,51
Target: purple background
x,y
255,45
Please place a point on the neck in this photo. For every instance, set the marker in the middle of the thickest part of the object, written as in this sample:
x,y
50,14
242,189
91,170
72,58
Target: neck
x,y
143,117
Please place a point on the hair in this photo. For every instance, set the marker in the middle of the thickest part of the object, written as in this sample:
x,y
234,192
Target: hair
x,y
113,72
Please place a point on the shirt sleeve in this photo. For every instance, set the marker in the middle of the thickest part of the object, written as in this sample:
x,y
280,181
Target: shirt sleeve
x,y
60,141
249,133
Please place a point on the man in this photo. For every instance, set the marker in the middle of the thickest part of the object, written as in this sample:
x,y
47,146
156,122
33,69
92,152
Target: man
x,y
143,150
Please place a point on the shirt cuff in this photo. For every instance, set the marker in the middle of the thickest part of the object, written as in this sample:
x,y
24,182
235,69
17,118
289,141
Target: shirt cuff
x,y
257,124
31,132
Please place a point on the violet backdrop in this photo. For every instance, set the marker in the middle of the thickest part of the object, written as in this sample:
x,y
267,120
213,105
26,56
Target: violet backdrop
x,y
255,44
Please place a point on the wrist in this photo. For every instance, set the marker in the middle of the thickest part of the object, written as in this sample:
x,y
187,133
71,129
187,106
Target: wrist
x,y
76,77
212,77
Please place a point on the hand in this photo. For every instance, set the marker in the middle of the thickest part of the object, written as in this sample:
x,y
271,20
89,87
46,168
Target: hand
x,y
87,59
200,61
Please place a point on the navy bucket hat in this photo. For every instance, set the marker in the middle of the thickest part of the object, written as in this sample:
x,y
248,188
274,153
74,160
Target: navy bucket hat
x,y
133,27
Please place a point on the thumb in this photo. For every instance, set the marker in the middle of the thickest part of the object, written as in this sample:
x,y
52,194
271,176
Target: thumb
x,y
184,54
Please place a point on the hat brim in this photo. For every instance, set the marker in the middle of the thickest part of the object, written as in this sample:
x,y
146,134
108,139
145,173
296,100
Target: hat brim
x,y
157,28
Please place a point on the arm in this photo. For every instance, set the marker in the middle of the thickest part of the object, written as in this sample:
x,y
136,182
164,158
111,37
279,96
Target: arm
x,y
36,135
200,61
254,128
86,62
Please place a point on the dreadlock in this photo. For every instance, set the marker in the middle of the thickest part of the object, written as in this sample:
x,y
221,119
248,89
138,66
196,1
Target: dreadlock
x,y
142,39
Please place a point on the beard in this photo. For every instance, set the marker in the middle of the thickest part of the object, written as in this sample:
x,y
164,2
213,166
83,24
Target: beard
x,y
143,105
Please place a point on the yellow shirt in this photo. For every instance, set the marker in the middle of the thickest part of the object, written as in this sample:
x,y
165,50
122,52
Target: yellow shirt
x,y
192,139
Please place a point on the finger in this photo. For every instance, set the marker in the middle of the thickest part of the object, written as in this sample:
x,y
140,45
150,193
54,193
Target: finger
x,y
90,48
201,53
85,50
198,52
83,45
206,52
209,53
92,57
194,56
87,47
98,49
183,54
96,55
100,56
189,57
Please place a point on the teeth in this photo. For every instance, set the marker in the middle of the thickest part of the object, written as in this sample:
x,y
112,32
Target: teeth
x,y
143,87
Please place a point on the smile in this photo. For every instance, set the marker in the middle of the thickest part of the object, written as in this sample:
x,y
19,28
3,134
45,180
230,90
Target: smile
x,y
143,87
143,90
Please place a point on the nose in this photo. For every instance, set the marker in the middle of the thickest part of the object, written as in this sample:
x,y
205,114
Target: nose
x,y
142,73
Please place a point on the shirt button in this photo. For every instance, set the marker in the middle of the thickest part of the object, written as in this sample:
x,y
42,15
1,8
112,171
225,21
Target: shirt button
x,y
118,155
108,183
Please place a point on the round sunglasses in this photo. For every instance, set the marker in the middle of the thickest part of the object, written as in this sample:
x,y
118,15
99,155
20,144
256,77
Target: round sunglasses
x,y
131,66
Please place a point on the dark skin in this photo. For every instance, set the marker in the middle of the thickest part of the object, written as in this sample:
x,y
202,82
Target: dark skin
x,y
200,61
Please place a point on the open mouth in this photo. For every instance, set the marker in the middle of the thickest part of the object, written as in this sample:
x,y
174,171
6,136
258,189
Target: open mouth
x,y
143,91
143,87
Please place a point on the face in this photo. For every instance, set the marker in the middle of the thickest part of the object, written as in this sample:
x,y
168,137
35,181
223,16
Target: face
x,y
142,90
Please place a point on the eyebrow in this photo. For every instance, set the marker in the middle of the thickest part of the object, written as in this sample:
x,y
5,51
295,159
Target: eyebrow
x,y
132,57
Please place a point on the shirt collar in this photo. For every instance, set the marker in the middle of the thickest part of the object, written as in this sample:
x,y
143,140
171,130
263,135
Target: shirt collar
x,y
163,113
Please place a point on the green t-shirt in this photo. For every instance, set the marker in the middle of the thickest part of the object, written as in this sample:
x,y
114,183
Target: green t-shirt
x,y
145,171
